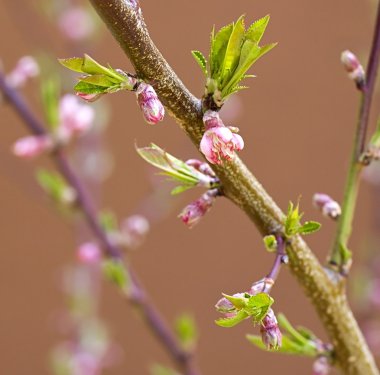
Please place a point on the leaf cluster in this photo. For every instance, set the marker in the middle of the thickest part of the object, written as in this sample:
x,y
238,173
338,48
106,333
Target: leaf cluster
x,y
255,307
174,168
233,51
293,224
98,79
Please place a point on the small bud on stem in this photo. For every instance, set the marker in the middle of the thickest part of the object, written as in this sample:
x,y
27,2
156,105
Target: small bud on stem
x,y
354,69
270,333
151,107
327,205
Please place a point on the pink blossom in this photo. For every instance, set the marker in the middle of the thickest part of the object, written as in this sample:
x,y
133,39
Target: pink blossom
x,y
134,229
76,23
33,145
194,212
89,253
75,118
219,142
25,69
270,333
321,366
151,107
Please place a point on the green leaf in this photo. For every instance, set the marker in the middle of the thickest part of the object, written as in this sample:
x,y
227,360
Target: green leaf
x,y
238,302
375,139
158,369
50,89
233,321
186,330
292,221
172,167
258,306
180,189
287,347
309,227
99,80
250,53
115,271
201,60
270,243
53,184
73,63
257,29
89,88
218,49
108,221
233,50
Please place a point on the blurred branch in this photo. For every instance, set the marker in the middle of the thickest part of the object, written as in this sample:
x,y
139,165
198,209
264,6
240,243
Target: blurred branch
x,y
124,19
138,296
340,255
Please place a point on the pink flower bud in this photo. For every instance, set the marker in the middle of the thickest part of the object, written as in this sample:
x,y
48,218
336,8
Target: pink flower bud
x,y
134,229
327,205
262,286
219,142
33,145
151,107
225,306
89,97
75,118
270,333
201,167
76,23
194,212
321,366
353,67
89,253
25,69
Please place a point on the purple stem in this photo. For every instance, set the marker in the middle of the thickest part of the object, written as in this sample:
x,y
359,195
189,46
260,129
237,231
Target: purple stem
x,y
279,260
368,89
139,298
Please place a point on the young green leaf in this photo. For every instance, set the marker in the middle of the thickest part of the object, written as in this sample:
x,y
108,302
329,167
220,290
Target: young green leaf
x,y
89,88
73,63
238,302
186,330
108,221
257,29
54,185
116,273
201,60
270,243
309,227
50,97
233,50
218,49
258,306
99,80
232,321
174,168
292,221
375,139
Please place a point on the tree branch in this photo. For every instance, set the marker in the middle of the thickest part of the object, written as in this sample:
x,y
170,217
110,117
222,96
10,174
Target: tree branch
x,y
340,256
138,296
127,25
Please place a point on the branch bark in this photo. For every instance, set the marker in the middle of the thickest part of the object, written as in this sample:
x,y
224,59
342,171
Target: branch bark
x,y
126,23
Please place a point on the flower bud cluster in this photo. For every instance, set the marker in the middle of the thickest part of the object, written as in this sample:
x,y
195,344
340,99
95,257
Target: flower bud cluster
x,y
75,119
152,109
353,67
327,205
219,141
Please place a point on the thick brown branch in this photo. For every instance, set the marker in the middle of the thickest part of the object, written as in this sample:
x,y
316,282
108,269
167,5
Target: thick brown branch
x,y
127,25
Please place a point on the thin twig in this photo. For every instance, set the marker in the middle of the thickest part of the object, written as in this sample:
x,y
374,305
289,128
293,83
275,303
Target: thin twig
x,y
240,186
279,259
340,255
138,296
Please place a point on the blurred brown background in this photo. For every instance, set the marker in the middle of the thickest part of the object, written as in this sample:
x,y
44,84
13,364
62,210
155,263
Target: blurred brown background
x,y
297,120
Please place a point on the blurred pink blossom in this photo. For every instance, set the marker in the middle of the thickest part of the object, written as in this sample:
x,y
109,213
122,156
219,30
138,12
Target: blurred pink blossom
x,y
76,23
75,118
25,69
89,253
32,146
